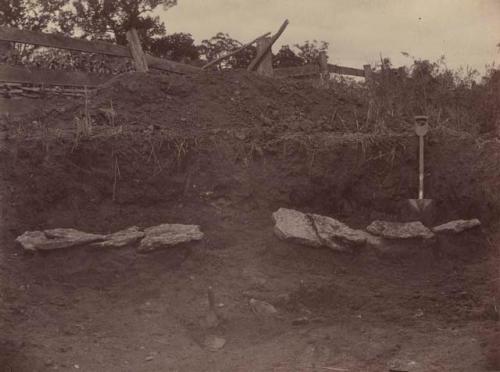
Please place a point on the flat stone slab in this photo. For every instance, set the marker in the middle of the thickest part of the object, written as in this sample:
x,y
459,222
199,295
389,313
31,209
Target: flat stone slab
x,y
121,238
400,230
56,239
457,226
320,231
166,235
296,227
335,234
31,240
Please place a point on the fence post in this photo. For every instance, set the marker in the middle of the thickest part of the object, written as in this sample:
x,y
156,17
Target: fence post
x,y
136,51
265,67
371,102
324,74
368,73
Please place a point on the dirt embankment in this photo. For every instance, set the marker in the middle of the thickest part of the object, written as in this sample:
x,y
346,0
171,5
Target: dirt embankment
x,y
234,139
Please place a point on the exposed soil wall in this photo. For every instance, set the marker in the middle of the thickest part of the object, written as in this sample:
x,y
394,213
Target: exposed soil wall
x,y
236,139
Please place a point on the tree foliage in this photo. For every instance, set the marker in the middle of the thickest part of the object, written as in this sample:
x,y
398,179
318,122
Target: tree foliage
x,y
177,47
111,19
35,15
286,57
221,44
309,51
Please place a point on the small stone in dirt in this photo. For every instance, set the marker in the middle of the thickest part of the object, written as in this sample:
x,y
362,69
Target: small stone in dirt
x,y
300,321
214,343
262,307
211,318
295,226
454,227
398,365
49,363
284,298
121,238
64,349
165,235
149,358
400,230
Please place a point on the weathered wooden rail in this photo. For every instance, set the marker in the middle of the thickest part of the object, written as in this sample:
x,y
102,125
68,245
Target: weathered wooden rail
x,y
12,74
262,64
315,69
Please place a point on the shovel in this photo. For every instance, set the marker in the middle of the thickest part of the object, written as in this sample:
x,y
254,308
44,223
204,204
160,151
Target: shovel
x,y
421,208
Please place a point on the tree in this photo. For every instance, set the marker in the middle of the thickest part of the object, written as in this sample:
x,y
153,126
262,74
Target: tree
x,y
177,47
309,51
287,58
111,19
35,15
221,44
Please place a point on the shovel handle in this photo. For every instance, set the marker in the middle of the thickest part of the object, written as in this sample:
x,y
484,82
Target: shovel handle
x,y
421,167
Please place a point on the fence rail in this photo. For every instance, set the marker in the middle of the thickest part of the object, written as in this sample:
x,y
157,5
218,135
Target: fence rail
x,y
100,47
346,70
143,61
314,69
23,75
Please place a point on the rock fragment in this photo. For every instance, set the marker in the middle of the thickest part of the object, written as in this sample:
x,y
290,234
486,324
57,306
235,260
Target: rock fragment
x,y
59,238
296,227
400,230
457,226
214,343
166,235
121,238
335,234
262,308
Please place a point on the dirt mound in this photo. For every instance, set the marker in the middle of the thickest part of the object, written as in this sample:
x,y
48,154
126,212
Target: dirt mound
x,y
213,101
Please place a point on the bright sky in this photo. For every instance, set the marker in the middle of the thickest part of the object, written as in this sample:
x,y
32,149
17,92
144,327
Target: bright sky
x,y
359,31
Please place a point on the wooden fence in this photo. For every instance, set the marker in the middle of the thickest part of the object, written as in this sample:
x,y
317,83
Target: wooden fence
x,y
13,79
12,74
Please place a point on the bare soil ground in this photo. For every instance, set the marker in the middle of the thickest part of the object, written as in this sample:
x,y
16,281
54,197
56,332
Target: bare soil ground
x,y
224,151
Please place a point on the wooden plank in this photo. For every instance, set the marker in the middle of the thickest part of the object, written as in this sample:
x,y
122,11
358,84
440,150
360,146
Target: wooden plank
x,y
100,47
368,73
13,74
243,47
324,74
135,47
265,67
323,62
170,66
346,70
62,42
305,70
253,65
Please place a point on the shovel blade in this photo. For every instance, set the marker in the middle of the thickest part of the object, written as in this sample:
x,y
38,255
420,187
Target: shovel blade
x,y
421,210
420,205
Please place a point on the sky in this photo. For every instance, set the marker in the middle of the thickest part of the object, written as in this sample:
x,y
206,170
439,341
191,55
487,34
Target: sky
x,y
358,31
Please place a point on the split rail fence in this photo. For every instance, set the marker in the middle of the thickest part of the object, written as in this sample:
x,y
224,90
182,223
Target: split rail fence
x,y
31,81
